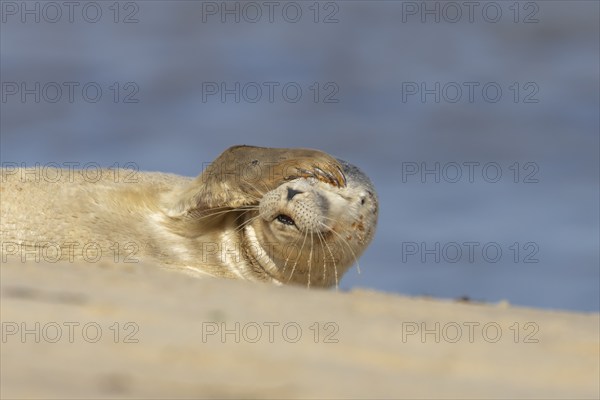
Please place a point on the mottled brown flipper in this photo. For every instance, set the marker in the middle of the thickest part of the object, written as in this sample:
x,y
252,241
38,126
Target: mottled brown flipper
x,y
242,174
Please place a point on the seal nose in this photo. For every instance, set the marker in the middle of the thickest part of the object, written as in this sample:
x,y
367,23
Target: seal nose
x,y
291,193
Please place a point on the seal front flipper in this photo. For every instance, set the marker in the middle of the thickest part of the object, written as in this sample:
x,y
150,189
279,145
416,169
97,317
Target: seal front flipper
x,y
241,175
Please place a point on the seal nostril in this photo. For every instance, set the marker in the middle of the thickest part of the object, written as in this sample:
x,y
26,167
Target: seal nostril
x,y
291,193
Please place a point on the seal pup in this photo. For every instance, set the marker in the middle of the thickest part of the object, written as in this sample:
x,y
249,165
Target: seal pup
x,y
295,216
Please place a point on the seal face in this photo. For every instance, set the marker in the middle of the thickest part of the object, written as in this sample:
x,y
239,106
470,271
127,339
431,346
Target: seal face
x,y
278,215
309,232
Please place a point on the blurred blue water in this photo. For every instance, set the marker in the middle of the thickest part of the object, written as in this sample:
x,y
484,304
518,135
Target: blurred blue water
x,y
372,55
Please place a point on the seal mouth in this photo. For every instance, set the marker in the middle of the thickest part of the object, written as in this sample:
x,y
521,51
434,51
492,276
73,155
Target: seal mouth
x,y
286,220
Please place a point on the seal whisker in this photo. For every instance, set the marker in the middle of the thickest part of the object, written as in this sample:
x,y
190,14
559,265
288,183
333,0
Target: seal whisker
x,y
245,223
288,256
312,244
294,244
242,214
216,211
330,229
346,243
299,254
320,236
323,241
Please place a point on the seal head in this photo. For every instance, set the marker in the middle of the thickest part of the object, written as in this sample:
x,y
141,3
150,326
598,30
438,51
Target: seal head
x,y
309,232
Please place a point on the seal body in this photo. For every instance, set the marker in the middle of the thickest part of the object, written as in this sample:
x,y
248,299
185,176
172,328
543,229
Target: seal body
x,y
277,215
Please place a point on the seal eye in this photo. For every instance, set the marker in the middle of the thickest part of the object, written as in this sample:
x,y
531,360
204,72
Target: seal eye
x,y
284,219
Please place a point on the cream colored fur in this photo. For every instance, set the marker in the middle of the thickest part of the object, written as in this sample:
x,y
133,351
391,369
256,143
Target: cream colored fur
x,y
215,224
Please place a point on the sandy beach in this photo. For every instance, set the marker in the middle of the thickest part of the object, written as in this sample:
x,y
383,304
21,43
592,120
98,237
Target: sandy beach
x,y
134,331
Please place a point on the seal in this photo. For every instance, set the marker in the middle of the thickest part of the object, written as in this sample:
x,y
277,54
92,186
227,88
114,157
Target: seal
x,y
296,216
